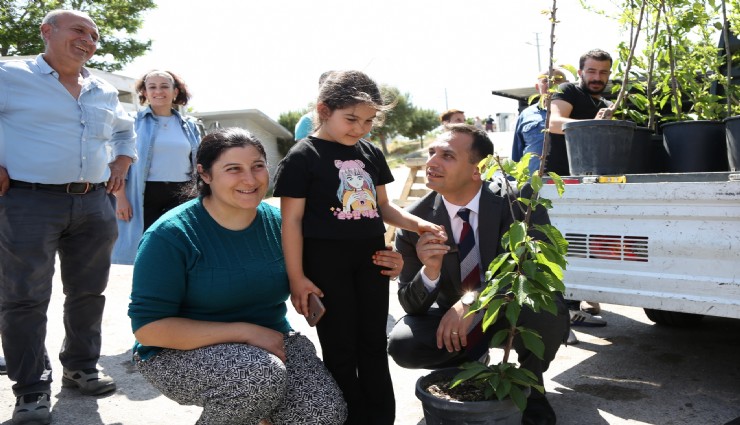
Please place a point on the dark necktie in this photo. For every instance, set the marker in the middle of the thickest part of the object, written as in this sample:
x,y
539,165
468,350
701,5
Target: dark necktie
x,y
469,254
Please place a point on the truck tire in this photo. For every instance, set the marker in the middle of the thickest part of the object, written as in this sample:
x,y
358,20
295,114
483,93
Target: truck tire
x,y
673,318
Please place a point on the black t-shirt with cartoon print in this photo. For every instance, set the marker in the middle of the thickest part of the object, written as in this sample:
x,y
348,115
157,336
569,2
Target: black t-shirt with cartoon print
x,y
338,183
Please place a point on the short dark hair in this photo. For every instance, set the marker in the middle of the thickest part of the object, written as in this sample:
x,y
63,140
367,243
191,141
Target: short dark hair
x,y
183,95
213,146
446,115
597,55
481,147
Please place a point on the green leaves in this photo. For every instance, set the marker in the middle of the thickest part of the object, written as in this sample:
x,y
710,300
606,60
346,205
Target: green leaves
x,y
680,46
527,274
558,181
554,236
500,380
117,21
517,233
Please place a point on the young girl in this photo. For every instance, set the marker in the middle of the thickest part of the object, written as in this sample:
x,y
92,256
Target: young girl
x,y
333,204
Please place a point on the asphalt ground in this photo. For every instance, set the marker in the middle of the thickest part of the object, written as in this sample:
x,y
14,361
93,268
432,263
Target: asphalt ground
x,y
629,372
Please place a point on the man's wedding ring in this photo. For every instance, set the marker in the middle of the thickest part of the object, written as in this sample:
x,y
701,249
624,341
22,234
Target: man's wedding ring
x,y
454,333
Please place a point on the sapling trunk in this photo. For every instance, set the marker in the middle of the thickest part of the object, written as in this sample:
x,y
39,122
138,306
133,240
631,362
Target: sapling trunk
x,y
672,61
633,43
728,57
548,96
651,68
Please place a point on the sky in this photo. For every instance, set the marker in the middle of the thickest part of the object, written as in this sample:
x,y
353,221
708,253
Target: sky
x,y
268,54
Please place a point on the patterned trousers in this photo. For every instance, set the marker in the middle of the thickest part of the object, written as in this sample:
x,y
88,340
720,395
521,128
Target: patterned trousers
x,y
243,384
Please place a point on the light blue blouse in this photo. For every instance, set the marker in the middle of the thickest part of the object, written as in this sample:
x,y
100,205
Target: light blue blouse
x,y
129,232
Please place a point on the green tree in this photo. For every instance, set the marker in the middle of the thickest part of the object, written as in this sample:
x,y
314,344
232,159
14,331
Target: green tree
x,y
422,121
117,21
290,119
397,120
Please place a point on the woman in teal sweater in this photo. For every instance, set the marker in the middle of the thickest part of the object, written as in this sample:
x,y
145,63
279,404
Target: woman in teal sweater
x,y
208,301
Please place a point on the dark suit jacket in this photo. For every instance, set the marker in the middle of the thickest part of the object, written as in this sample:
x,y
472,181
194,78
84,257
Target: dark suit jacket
x,y
495,217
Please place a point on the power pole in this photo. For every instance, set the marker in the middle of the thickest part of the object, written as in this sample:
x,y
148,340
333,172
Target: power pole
x,y
537,45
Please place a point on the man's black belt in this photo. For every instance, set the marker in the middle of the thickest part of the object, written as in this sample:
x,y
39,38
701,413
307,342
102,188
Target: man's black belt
x,y
71,188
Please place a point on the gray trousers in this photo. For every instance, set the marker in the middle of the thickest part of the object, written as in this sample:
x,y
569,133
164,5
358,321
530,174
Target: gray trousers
x,y
35,225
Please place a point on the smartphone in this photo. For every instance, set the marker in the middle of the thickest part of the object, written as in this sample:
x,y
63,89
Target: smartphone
x,y
316,309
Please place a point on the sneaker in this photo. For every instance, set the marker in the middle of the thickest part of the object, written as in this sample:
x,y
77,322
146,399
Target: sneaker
x,y
88,381
32,409
590,307
572,339
581,318
3,367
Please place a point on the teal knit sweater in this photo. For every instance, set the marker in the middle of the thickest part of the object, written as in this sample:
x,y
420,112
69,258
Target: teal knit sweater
x,y
189,266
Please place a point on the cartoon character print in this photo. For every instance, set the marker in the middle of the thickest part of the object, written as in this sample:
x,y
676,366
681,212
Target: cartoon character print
x,y
356,191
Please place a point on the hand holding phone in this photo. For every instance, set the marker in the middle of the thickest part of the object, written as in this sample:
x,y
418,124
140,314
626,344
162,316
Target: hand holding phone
x,y
316,309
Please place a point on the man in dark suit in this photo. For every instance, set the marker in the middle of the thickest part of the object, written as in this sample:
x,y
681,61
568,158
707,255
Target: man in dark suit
x,y
435,332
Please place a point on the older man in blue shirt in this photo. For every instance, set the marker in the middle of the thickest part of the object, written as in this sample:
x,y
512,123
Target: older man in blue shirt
x,y
59,126
528,133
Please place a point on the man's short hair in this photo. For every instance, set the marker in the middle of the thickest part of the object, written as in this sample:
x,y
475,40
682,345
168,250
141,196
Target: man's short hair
x,y
448,114
560,75
597,55
51,18
481,147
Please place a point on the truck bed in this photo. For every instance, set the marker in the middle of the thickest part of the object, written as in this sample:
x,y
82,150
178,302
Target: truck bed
x,y
658,241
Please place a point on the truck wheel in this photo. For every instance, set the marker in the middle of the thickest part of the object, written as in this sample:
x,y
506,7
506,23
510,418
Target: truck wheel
x,y
673,318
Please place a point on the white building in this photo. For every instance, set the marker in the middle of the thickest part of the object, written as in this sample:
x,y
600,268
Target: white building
x,y
267,130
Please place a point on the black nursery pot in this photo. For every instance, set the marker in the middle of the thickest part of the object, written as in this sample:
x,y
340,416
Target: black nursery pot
x,y
649,152
696,146
438,411
602,147
732,135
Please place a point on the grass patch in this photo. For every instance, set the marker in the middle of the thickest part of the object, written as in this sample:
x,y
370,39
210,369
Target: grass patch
x,y
400,149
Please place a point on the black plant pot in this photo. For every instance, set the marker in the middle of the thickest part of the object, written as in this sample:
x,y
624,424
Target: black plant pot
x,y
659,159
732,134
597,147
696,146
649,152
438,411
641,149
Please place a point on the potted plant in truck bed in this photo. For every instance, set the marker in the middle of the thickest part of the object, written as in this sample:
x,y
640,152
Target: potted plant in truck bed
x,y
675,80
730,46
680,70
528,274
606,146
695,141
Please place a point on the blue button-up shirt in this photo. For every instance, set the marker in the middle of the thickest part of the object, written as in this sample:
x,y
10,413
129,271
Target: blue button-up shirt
x,y
48,136
529,136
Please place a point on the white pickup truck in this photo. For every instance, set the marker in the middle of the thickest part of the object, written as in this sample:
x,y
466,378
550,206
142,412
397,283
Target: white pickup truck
x,y
669,243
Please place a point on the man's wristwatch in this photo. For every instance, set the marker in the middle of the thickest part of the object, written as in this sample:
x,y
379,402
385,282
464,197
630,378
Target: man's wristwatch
x,y
468,298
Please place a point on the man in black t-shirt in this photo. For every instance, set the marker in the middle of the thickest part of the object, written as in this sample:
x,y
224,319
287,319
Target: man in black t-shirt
x,y
581,101
574,102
